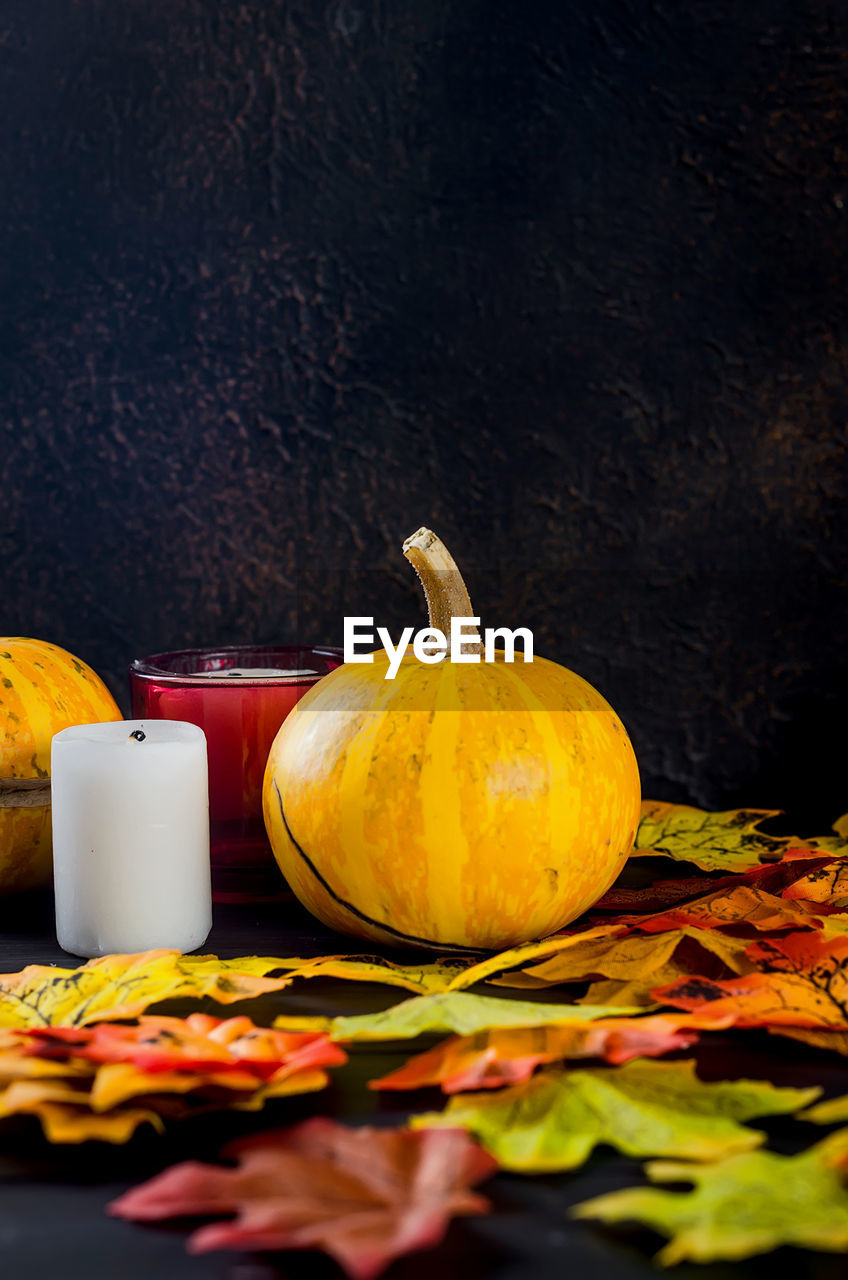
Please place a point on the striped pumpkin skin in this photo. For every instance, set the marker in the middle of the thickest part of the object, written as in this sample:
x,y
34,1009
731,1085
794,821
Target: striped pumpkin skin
x,y
26,849
42,689
455,806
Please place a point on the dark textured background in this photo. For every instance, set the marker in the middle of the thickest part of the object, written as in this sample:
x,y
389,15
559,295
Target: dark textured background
x,y
281,281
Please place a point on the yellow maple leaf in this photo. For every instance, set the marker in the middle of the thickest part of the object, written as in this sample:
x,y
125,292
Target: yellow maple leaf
x,y
724,841
122,986
423,979
642,960
65,1114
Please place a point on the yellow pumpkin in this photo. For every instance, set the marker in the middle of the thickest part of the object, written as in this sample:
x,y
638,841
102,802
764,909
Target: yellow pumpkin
x,y
42,689
458,805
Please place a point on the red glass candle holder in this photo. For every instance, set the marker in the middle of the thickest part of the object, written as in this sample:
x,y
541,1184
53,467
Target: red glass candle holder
x,y
239,697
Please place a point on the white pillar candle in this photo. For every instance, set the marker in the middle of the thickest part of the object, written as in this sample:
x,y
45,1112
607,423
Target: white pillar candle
x,y
131,837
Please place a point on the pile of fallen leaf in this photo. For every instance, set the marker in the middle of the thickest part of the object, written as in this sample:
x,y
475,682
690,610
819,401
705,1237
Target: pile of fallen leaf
x,y
750,934
104,1081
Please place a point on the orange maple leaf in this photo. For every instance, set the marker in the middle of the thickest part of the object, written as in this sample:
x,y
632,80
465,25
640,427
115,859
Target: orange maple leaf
x,y
802,984
491,1059
196,1043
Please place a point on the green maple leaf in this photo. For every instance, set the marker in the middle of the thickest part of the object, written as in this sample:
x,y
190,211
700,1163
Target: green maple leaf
x,y
747,1204
456,1011
556,1119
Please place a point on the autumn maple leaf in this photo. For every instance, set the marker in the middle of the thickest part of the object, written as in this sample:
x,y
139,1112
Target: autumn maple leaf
x,y
555,1120
79,1080
196,1043
122,986
491,1059
365,1196
801,991
747,1204
799,865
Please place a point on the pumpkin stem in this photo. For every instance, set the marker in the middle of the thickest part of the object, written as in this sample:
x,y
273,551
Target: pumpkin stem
x,y
444,590
24,793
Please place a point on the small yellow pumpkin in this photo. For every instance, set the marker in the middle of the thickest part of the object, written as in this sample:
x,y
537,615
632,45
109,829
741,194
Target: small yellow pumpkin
x,y
459,805
42,689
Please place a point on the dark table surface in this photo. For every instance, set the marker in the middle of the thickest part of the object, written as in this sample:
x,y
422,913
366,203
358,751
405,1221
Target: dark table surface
x,y
52,1220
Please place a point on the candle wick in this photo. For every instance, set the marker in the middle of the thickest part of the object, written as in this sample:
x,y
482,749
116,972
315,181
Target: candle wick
x,y
138,734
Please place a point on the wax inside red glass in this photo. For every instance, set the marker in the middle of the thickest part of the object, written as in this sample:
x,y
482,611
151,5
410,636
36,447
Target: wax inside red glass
x,y
240,717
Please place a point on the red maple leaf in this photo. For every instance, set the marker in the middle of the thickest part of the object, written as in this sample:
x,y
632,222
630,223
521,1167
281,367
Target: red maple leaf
x,y
365,1196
